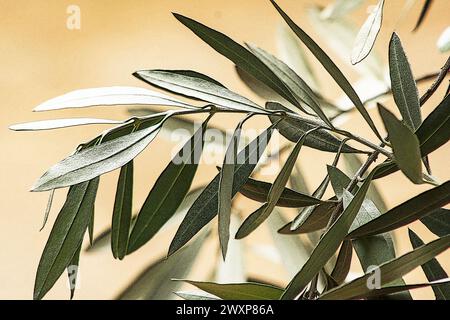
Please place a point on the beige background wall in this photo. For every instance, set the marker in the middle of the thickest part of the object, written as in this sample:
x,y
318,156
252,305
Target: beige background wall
x,y
41,59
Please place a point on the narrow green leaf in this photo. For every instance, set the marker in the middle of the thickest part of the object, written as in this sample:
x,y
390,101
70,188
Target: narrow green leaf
x,y
390,270
368,33
404,144
293,129
403,85
339,180
155,282
329,65
300,89
72,272
343,262
110,96
426,7
432,269
66,236
205,207
168,191
259,191
438,222
260,215
226,187
59,123
91,227
195,296
239,291
328,244
317,220
48,208
97,160
407,212
197,88
242,57
340,8
121,219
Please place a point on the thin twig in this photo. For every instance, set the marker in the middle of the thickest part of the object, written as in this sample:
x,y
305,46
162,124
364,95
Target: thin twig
x,y
441,76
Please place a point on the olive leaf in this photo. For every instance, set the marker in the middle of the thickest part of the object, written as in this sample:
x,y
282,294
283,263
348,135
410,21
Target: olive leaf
x,y
368,34
426,7
331,68
97,160
239,291
72,272
407,212
343,263
432,269
66,236
168,191
443,42
60,123
438,222
405,145
403,85
390,270
121,219
197,88
205,207
110,96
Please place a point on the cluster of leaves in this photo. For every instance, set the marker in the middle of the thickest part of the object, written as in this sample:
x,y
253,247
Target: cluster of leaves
x,y
352,219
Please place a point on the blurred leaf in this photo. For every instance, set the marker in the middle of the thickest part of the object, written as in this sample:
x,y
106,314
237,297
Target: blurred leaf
x,y
66,236
59,123
243,58
443,42
97,160
432,269
205,207
316,221
332,69
329,243
426,7
438,222
298,181
340,8
110,96
390,270
155,282
407,212
239,291
368,33
405,145
403,85
168,191
259,191
259,216
72,272
198,88
225,197
293,129
294,55
300,89
121,219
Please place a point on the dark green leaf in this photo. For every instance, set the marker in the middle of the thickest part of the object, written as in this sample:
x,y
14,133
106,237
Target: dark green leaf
x,y
110,96
66,235
155,282
368,34
205,207
404,144
123,205
293,129
239,291
48,208
259,216
407,212
329,65
432,269
438,222
403,85
97,160
426,7
242,57
259,190
328,244
343,263
390,270
168,191
197,88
